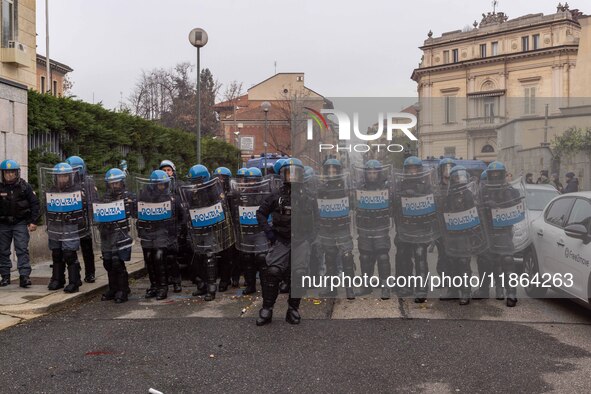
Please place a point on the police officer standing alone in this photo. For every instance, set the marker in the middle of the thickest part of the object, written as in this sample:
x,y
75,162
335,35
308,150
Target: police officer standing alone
x,y
19,211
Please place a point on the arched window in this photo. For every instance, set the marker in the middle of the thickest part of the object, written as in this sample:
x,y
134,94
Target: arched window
x,y
487,149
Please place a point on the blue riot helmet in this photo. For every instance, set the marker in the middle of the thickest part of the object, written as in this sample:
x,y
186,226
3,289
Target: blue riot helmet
x,y
77,163
222,171
277,165
412,165
161,180
458,176
115,179
332,167
292,171
253,174
11,171
198,174
444,168
63,175
373,170
241,172
495,172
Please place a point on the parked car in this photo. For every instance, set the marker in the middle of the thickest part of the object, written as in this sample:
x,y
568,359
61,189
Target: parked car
x,y
561,247
536,199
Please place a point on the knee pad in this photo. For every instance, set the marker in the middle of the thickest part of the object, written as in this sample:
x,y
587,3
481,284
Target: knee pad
x,y
158,255
383,261
117,264
366,259
273,272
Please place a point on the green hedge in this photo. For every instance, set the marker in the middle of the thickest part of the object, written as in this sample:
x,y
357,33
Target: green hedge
x,y
95,134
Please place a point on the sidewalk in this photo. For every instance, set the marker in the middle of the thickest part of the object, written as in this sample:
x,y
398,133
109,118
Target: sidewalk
x,y
18,304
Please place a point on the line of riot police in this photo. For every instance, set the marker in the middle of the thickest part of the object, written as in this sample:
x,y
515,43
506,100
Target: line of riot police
x,y
219,226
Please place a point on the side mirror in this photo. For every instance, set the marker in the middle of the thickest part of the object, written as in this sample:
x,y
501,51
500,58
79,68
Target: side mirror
x,y
577,231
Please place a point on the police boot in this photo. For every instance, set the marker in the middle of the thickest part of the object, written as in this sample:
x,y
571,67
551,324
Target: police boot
x,y
112,289
150,291
88,258
122,280
270,286
511,301
385,291
73,278
349,269
250,277
265,316
211,272
5,281
367,263
201,287
175,273
161,277
465,296
293,315
58,276
24,281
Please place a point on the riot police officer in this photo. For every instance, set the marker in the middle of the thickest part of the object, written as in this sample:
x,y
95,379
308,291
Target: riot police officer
x,y
444,263
111,215
67,223
19,213
157,214
182,247
417,224
484,263
226,258
209,225
285,254
498,194
251,241
334,222
86,241
464,232
373,220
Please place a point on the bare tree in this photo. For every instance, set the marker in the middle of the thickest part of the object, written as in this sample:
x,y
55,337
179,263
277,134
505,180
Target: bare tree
x,y
231,94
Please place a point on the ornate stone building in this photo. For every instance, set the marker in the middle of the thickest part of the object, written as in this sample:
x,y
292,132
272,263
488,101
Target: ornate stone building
x,y
474,81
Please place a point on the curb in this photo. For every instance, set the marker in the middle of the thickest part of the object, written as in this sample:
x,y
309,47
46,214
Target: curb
x,y
46,304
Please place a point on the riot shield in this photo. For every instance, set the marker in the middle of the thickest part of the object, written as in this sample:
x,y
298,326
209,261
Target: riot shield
x,y
65,205
463,223
334,216
507,219
111,218
207,217
274,180
157,213
415,207
245,201
372,201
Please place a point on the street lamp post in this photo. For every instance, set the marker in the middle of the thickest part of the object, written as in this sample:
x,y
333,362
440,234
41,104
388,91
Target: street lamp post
x,y
237,141
266,106
198,38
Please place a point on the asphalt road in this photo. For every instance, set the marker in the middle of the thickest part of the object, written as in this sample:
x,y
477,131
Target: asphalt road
x,y
542,345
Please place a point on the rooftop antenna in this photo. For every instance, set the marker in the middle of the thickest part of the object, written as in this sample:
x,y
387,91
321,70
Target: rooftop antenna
x,y
275,66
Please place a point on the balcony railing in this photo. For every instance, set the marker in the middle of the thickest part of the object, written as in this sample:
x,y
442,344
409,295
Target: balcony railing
x,y
484,122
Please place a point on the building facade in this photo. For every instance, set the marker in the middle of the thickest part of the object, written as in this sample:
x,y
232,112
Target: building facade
x,y
57,73
473,82
243,119
17,75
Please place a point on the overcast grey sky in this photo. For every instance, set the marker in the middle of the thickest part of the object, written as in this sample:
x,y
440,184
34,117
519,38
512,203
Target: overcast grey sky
x,y
346,48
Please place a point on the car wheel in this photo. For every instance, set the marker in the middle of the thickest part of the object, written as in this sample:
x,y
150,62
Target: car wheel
x,y
531,268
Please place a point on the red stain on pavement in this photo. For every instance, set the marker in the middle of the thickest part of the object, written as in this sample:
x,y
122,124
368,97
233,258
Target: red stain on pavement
x,y
99,353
